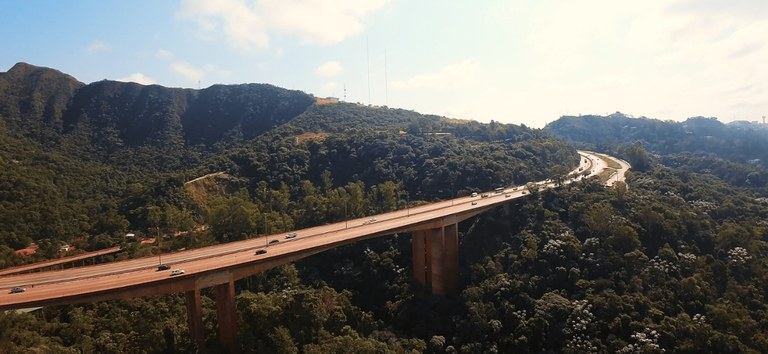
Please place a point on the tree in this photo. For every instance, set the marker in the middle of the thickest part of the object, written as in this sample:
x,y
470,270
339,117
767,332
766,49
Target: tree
x,y
233,218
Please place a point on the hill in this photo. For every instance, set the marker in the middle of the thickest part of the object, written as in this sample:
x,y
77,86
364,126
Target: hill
x,y
675,263
115,156
120,123
735,152
738,142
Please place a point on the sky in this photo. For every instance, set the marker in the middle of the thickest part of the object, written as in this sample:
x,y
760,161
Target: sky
x,y
516,61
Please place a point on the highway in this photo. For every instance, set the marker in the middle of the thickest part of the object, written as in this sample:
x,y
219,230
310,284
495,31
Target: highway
x,y
58,261
207,266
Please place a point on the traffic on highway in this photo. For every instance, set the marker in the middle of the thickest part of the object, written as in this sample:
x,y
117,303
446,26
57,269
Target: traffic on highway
x,y
121,279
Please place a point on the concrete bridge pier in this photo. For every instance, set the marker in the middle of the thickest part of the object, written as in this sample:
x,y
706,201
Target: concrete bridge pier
x,y
227,316
436,258
195,319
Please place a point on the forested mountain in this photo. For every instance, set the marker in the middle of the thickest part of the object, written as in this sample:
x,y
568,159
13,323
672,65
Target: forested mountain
x,y
96,160
737,142
165,129
675,263
736,152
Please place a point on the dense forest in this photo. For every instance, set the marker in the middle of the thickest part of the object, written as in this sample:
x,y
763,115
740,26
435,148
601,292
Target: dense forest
x,y
672,261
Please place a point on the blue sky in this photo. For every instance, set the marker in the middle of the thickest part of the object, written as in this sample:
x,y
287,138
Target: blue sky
x,y
521,62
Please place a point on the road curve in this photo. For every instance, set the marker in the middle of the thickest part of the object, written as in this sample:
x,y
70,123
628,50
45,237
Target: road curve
x,y
221,263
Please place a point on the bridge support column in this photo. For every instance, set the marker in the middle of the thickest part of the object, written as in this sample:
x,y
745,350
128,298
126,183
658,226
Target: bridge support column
x,y
436,267
418,241
227,316
195,319
436,259
451,258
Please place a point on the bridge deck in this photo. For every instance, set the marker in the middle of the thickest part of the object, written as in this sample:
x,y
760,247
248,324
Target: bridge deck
x,y
224,263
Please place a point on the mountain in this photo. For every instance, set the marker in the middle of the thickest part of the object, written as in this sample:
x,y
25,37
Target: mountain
x,y
675,263
108,152
737,142
33,98
109,119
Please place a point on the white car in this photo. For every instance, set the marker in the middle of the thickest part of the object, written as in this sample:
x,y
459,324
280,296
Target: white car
x,y
177,272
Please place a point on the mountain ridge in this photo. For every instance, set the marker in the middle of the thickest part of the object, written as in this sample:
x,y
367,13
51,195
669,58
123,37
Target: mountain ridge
x,y
53,108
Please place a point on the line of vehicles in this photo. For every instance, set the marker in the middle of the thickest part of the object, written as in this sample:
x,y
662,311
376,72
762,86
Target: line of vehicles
x,y
292,235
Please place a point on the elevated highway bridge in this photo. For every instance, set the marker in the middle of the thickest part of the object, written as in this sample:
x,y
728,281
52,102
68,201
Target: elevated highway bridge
x,y
434,230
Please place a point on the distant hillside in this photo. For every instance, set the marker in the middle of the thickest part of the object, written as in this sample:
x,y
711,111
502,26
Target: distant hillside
x,y
117,122
101,159
34,98
739,142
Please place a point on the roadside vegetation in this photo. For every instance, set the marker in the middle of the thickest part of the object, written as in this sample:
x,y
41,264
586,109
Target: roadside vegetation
x,y
675,263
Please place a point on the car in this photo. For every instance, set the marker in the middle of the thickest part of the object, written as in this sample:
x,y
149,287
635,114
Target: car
x,y
18,289
524,192
274,241
291,235
474,203
484,195
474,194
177,272
507,195
163,267
261,252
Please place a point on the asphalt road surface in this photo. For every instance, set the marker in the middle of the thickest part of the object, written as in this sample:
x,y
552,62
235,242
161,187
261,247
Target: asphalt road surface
x,y
73,282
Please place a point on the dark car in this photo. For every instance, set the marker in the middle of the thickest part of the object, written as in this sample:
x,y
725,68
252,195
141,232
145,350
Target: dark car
x,y
261,252
163,267
18,289
274,241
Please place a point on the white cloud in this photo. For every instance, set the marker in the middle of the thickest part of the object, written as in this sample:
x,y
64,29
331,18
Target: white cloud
x,y
249,24
671,59
138,78
97,47
563,39
164,54
187,71
329,68
452,76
